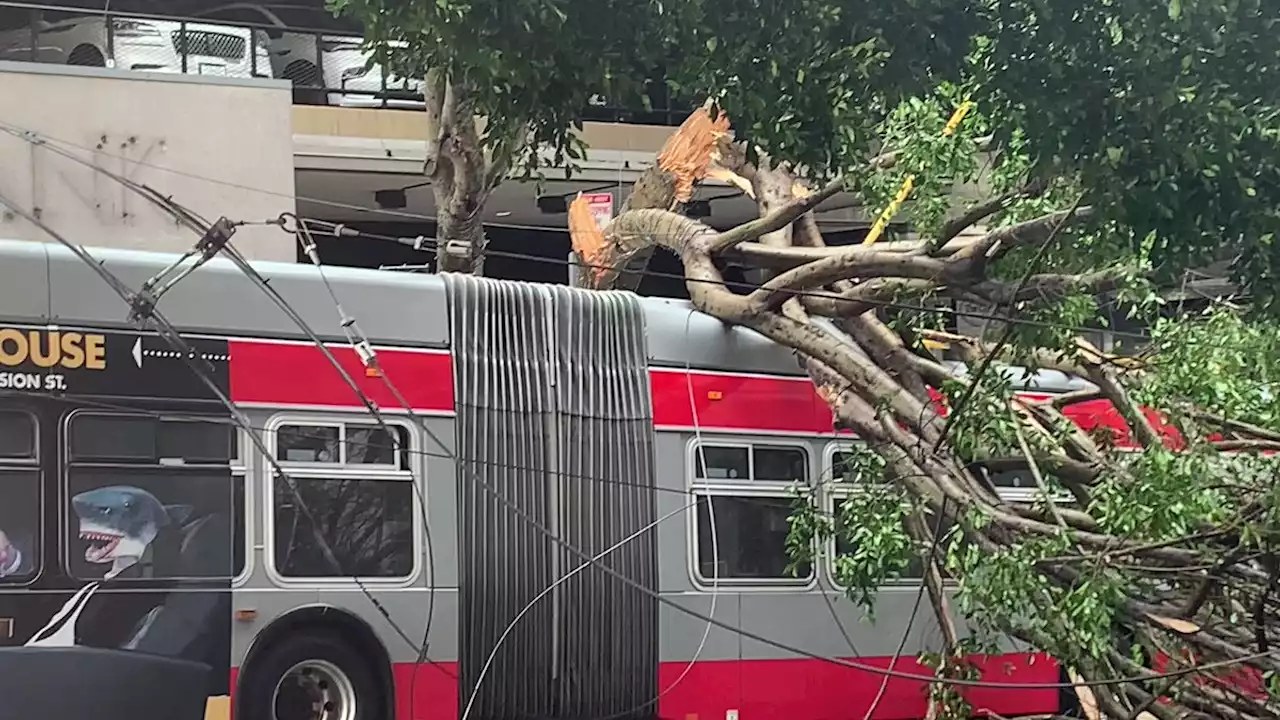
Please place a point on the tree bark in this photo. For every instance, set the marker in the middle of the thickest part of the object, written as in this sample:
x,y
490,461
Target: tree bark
x,y
463,171
668,184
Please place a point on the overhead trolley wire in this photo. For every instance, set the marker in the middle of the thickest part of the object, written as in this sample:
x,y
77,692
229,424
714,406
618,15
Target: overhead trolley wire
x,y
344,230
359,343
156,320
175,339
853,665
423,243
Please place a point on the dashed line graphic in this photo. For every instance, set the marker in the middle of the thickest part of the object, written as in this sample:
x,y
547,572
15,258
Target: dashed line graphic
x,y
140,352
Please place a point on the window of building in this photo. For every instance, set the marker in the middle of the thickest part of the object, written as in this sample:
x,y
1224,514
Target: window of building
x,y
20,508
154,497
352,490
747,487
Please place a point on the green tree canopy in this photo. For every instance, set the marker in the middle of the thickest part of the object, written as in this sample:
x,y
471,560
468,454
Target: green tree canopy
x,y
1166,108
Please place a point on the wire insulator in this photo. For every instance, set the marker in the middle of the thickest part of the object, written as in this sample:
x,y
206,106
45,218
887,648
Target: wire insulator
x,y
358,340
309,247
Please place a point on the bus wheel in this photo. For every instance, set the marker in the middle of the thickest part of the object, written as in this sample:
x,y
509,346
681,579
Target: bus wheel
x,y
311,677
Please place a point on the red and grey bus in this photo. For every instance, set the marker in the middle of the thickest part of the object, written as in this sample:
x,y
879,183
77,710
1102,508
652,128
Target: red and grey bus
x,y
137,515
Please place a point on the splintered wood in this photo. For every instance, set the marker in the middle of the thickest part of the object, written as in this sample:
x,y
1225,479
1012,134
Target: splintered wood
x,y
586,235
687,153
685,159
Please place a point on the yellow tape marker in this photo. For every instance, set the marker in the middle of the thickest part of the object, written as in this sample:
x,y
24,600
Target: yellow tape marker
x,y
910,182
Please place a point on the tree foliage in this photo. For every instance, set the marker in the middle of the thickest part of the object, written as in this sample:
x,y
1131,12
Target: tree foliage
x,y
1110,150
1168,107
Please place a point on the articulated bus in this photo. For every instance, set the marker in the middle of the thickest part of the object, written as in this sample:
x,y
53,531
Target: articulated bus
x,y
135,514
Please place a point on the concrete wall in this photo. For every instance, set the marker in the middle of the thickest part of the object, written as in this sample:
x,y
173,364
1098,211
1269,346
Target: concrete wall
x,y
409,125
219,146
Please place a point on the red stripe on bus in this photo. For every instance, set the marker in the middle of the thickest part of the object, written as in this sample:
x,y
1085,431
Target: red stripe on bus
x,y
275,373
427,692
781,404
787,689
291,374
737,402
807,689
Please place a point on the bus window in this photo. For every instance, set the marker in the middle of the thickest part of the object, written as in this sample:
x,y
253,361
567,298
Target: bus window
x,y
151,498
19,498
748,487
354,491
750,537
366,522
17,436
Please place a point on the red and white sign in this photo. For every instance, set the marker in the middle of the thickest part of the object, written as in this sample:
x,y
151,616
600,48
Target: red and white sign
x,y
601,205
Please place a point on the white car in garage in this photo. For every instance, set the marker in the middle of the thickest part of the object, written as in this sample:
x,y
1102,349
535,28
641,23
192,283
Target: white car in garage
x,y
325,67
142,44
339,69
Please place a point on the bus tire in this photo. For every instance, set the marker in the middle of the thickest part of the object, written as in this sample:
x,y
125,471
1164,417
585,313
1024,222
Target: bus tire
x,y
310,670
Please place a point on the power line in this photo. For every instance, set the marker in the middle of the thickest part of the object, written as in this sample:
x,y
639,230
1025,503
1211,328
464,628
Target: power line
x,y
995,685
207,249
359,343
147,314
171,335
421,243
366,352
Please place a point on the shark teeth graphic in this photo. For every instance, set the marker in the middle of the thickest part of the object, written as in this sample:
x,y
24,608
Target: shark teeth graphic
x,y
101,545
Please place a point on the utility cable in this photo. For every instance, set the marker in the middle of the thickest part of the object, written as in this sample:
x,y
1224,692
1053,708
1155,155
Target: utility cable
x,y
359,344
422,243
175,339
511,626
994,685
700,457
189,356
364,350
154,318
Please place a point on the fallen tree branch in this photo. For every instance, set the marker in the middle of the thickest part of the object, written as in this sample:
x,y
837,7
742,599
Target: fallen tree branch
x,y
776,220
1001,240
983,210
1048,287
856,262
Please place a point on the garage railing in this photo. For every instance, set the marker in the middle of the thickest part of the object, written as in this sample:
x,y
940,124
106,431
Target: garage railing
x,y
325,66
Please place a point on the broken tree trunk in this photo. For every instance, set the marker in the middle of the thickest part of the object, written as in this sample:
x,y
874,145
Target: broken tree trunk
x,y
824,303
668,184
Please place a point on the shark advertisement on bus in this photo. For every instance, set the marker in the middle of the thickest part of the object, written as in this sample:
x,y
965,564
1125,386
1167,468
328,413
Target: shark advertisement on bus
x,y
117,499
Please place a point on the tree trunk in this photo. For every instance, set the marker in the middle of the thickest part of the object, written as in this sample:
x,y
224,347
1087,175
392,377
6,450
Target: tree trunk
x,y
668,184
463,170
460,238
